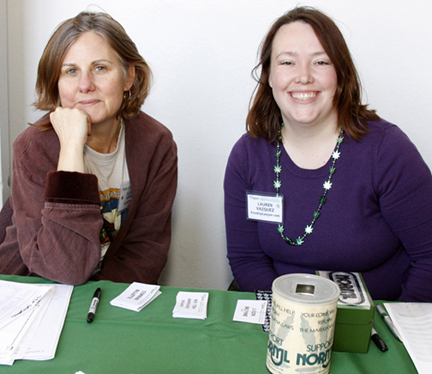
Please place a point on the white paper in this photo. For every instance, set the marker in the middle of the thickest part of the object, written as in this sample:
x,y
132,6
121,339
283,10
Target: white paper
x,y
414,323
191,305
265,207
136,296
19,298
37,327
251,311
41,343
12,335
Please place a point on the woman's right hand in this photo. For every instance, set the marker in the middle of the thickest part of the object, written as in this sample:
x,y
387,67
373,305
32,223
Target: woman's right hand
x,y
72,127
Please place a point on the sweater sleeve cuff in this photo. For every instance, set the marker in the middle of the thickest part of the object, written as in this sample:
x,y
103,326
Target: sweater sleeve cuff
x,y
71,188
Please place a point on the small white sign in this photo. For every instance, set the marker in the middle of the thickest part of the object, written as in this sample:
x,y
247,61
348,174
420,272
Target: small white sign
x,y
136,296
251,311
125,196
268,208
191,305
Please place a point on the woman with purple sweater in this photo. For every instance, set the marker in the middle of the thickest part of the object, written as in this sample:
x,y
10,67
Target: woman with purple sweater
x,y
320,182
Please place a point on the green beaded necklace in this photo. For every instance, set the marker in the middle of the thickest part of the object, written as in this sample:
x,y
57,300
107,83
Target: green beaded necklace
x,y
327,185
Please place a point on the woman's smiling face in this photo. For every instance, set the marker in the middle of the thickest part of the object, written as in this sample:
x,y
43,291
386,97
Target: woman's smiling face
x,y
92,79
302,76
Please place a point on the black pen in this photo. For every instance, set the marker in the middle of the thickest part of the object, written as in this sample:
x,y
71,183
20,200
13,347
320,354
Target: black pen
x,y
387,320
378,341
93,305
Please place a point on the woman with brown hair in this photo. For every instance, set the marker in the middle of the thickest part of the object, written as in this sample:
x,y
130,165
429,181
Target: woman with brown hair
x,y
94,179
320,182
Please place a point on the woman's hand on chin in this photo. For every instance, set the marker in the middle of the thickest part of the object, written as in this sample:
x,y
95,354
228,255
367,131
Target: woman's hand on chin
x,y
72,127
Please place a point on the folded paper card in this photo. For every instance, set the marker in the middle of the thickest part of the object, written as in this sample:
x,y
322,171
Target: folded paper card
x,y
191,305
251,311
136,296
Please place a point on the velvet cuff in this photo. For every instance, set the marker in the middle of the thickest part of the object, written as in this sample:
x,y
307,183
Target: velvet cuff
x,y
71,188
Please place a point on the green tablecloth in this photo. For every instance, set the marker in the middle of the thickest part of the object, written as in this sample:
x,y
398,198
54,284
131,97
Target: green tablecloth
x,y
152,341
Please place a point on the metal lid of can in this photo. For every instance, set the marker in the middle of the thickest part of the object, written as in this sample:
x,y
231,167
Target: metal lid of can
x,y
306,288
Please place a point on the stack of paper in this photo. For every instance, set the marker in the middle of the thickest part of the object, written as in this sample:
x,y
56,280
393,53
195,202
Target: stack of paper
x,y
136,296
191,305
31,320
413,321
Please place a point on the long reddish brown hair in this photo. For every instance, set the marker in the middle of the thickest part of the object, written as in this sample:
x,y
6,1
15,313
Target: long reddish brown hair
x,y
264,117
115,35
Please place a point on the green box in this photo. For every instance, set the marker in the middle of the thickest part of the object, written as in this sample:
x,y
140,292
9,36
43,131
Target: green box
x,y
353,323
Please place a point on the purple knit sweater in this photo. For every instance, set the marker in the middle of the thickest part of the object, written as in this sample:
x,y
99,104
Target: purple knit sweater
x,y
377,219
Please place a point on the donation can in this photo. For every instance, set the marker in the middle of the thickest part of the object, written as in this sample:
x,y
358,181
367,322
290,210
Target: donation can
x,y
302,323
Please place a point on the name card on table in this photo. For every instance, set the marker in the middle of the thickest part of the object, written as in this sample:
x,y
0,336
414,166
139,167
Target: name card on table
x,y
136,296
191,305
251,311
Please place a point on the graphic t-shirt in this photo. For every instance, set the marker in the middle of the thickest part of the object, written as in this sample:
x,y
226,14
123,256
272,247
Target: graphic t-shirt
x,y
114,187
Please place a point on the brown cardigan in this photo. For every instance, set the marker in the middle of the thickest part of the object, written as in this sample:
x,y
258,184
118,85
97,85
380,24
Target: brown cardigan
x,y
56,215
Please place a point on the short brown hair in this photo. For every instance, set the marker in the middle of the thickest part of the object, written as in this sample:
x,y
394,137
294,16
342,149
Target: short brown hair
x,y
264,117
115,35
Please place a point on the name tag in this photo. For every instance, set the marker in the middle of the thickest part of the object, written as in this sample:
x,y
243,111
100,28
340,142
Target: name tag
x,y
262,207
125,196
